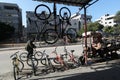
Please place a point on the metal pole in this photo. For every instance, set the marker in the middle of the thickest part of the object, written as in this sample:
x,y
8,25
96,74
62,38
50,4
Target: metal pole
x,y
85,30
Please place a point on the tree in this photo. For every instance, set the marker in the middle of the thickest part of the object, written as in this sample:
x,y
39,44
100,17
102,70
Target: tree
x,y
117,17
94,26
6,31
109,30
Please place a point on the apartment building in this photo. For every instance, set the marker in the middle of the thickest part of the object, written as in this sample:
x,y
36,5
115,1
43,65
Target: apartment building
x,y
11,14
77,22
107,20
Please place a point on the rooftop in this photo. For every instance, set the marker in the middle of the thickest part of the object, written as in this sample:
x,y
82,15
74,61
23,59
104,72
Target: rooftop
x,y
79,3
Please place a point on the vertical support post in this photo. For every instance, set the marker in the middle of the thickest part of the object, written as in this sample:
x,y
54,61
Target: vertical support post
x,y
55,14
85,30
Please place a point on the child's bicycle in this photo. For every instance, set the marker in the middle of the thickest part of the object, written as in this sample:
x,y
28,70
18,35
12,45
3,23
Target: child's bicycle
x,y
17,65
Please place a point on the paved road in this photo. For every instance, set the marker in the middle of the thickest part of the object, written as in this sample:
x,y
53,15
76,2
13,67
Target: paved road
x,y
109,70
5,61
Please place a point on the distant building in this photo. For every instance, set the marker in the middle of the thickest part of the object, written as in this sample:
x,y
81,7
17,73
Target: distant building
x,y
35,25
107,20
77,22
11,14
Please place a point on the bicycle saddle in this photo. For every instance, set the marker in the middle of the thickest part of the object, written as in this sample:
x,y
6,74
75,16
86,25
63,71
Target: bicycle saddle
x,y
72,51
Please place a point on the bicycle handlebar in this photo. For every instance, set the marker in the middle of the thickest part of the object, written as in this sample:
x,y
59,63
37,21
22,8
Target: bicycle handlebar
x,y
15,54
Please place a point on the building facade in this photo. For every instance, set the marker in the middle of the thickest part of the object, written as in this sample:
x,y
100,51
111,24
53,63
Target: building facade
x,y
32,28
107,20
11,14
77,22
36,26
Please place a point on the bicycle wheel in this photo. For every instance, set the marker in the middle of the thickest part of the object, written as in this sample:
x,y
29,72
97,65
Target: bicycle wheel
x,y
82,60
16,73
50,36
42,12
19,64
43,62
65,13
33,60
71,34
23,56
55,60
38,55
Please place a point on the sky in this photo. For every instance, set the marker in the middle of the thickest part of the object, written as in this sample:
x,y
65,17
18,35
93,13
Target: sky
x,y
96,10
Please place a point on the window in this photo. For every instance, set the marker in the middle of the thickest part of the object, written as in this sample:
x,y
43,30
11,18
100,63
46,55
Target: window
x,y
11,8
75,23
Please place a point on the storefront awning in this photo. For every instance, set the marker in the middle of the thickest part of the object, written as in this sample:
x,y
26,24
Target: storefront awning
x,y
79,3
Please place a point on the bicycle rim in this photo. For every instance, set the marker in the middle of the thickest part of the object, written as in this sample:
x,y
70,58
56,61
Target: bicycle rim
x,y
35,61
50,36
38,55
42,12
62,12
43,62
23,56
71,34
15,73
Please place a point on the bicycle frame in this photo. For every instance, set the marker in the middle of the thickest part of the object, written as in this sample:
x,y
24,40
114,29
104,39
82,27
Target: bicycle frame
x,y
39,33
72,57
16,68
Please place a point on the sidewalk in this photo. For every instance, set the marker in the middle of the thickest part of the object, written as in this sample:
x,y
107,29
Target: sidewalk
x,y
109,70
22,45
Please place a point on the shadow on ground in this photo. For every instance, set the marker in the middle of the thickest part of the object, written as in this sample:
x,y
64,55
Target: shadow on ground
x,y
109,74
103,71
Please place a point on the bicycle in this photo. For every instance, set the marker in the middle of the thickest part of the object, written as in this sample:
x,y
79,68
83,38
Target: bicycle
x,y
68,57
40,30
17,65
31,61
72,58
23,57
45,60
51,35
59,59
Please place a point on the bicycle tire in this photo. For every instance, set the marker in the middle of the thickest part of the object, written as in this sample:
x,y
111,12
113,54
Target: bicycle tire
x,y
43,62
82,60
38,15
20,64
23,56
71,34
55,60
61,15
15,73
50,36
35,61
38,55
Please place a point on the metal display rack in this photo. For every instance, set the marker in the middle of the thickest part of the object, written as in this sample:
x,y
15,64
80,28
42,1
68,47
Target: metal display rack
x,y
84,4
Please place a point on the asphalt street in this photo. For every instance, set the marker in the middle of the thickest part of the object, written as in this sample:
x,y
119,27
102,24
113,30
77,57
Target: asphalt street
x,y
108,70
